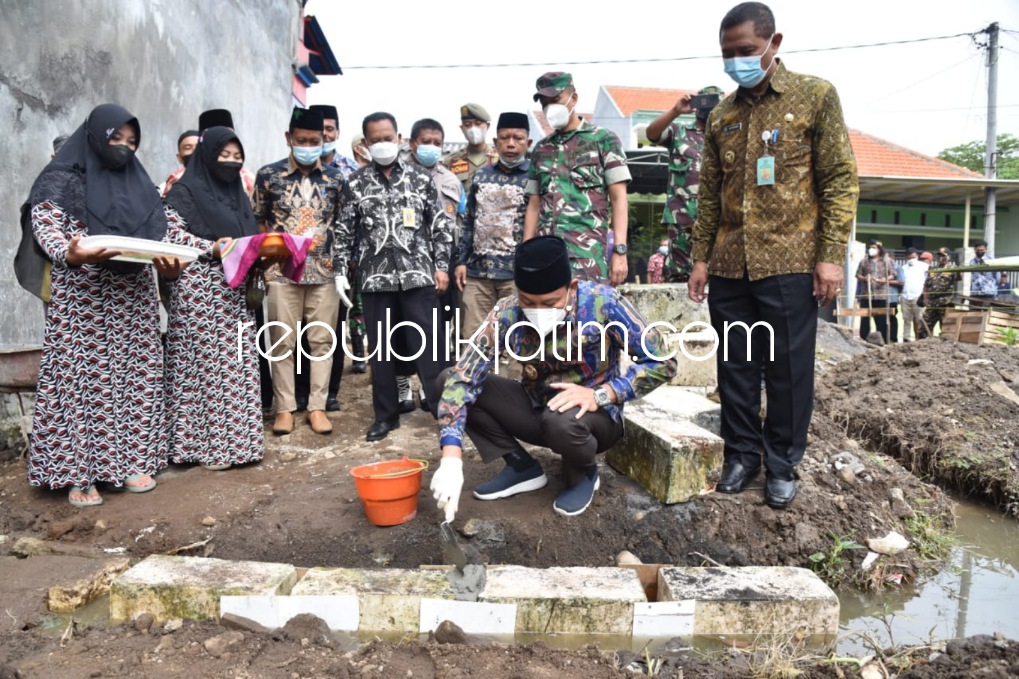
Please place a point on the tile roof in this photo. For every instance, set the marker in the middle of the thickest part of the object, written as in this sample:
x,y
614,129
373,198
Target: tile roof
x,y
876,157
633,99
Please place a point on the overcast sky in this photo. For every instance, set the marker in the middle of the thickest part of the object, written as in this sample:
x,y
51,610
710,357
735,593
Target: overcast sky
x,y
926,95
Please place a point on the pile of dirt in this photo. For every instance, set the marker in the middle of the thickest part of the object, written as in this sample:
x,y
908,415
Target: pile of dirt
x,y
947,410
205,649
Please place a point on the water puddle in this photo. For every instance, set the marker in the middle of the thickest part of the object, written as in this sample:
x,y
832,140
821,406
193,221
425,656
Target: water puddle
x,y
95,613
975,594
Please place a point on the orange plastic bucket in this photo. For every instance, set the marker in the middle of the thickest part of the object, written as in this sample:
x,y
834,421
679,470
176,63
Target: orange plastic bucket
x,y
389,490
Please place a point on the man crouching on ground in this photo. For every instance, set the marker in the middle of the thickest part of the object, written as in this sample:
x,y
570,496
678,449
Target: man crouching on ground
x,y
568,401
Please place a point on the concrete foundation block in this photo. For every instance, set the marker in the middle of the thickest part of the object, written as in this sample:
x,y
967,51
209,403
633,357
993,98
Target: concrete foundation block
x,y
567,600
667,302
754,600
697,366
171,587
389,599
664,450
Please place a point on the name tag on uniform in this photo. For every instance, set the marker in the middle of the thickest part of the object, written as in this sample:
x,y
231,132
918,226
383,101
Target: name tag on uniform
x,y
410,218
766,171
732,128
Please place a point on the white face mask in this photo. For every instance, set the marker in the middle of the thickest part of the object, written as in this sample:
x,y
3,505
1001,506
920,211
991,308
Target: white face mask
x,y
512,162
557,115
475,135
384,152
872,252
544,319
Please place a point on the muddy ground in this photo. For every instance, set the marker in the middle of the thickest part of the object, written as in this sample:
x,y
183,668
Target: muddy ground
x,y
299,506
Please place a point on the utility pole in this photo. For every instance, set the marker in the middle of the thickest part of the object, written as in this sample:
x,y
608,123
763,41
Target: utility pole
x,y
991,163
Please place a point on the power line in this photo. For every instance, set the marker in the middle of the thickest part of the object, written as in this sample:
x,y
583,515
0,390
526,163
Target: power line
x,y
395,67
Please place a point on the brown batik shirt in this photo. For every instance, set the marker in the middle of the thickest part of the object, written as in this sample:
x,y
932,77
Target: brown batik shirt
x,y
806,216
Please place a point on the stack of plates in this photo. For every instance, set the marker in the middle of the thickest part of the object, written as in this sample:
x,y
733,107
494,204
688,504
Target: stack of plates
x,y
140,250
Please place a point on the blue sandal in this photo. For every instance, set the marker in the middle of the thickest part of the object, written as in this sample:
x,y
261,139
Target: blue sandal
x,y
138,489
84,490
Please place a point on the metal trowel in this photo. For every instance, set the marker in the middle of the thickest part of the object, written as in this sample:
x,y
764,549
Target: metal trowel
x,y
451,550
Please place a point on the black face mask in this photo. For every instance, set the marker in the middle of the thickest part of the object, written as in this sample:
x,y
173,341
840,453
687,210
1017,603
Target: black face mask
x,y
226,172
115,156
186,159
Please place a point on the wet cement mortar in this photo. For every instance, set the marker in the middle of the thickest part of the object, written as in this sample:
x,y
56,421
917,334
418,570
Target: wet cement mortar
x,y
299,506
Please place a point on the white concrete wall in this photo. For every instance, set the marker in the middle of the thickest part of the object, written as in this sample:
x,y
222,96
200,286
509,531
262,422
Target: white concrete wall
x,y
607,115
164,61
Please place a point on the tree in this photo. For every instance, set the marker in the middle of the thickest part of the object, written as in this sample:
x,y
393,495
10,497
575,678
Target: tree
x,y
972,156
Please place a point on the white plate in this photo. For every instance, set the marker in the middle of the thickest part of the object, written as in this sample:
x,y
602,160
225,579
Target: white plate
x,y
140,250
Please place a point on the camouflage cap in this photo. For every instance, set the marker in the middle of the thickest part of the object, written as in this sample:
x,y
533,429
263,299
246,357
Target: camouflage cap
x,y
711,89
552,84
475,111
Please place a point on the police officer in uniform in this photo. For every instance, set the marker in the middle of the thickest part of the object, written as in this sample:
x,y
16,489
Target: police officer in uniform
x,y
474,122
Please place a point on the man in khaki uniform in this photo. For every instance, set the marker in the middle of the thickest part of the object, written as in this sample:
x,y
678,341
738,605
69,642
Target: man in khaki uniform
x,y
474,122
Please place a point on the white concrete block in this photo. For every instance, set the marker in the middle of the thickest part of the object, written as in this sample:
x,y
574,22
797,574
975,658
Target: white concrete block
x,y
340,612
754,600
567,600
473,617
171,587
696,363
389,599
675,459
663,619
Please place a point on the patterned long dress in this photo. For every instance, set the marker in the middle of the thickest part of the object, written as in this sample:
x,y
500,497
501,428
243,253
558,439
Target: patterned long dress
x,y
99,404
213,401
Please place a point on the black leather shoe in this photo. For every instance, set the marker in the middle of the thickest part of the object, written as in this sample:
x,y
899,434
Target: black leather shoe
x,y
332,404
380,429
736,477
405,406
779,493
359,367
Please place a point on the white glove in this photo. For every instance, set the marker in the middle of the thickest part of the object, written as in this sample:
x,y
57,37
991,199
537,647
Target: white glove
x,y
447,482
342,288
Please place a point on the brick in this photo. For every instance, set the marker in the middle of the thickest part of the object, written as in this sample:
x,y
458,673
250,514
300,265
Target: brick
x,y
172,587
664,450
567,600
755,600
389,599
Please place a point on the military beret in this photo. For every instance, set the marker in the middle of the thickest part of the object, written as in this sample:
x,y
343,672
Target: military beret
x,y
306,119
476,111
541,265
552,84
217,117
513,121
328,112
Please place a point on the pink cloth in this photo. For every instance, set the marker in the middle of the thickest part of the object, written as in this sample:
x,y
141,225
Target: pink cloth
x,y
241,253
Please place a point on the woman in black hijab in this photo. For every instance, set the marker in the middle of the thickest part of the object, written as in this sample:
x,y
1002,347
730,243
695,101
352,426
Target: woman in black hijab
x,y
213,397
99,406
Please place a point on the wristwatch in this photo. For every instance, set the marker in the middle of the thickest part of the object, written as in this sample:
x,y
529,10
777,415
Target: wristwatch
x,y
620,248
601,394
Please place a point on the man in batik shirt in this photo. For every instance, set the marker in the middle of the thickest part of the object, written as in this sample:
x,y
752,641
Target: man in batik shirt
x,y
578,179
391,210
776,204
570,398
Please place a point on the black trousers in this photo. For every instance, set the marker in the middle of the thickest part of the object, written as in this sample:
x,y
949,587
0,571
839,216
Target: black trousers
x,y
302,366
503,415
877,321
414,306
786,303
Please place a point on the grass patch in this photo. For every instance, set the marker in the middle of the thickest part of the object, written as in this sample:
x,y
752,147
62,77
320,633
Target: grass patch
x,y
932,539
830,564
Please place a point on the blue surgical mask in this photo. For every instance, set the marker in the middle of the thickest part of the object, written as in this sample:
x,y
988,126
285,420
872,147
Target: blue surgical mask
x,y
306,155
747,71
428,154
664,249
328,148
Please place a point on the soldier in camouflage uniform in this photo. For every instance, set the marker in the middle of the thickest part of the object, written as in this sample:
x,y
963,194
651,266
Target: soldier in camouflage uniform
x,y
938,291
577,179
684,143
465,163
